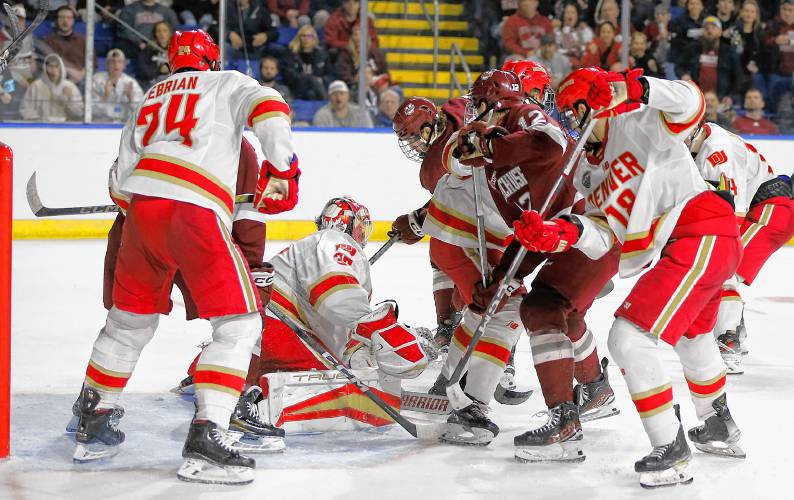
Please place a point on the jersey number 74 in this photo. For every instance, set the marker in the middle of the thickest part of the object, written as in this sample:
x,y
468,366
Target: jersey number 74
x,y
149,117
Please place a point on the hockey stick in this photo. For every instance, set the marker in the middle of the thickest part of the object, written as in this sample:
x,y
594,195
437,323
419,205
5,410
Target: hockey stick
x,y
421,432
393,238
513,269
477,179
39,210
13,48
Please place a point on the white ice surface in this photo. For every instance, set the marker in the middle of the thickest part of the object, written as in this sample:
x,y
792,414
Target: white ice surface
x,y
57,313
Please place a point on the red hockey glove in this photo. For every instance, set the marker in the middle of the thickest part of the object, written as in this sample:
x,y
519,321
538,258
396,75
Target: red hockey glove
x,y
276,191
482,296
409,226
537,235
263,279
625,92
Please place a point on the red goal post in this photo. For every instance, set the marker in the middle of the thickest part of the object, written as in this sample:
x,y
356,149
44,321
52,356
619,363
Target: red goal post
x,y
6,163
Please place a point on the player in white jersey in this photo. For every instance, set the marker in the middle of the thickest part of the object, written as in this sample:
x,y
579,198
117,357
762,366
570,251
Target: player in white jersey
x,y
175,178
765,212
653,201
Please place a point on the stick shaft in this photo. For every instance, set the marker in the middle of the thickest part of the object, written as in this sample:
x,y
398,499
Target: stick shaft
x,y
382,250
478,179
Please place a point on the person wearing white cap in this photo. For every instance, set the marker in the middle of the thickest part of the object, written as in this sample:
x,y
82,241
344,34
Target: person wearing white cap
x,y
115,93
340,112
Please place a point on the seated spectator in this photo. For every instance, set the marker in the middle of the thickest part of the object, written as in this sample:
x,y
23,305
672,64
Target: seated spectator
x,y
388,102
9,98
268,70
550,58
52,98
339,27
716,112
292,13
607,11
753,121
306,68
726,13
152,62
688,30
750,31
573,35
522,31
115,93
348,59
639,56
68,44
779,45
712,63
658,33
604,51
321,10
259,35
196,12
340,112
142,16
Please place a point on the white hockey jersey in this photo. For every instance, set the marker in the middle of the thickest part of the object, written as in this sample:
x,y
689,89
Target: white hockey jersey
x,y
647,176
451,215
183,141
323,282
743,167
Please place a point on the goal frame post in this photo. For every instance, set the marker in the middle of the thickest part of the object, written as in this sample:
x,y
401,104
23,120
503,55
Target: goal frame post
x,y
6,167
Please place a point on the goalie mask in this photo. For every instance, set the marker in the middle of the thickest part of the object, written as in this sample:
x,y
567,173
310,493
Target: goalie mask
x,y
348,216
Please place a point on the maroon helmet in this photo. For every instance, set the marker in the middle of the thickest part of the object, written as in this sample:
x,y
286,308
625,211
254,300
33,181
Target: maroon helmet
x,y
496,88
415,115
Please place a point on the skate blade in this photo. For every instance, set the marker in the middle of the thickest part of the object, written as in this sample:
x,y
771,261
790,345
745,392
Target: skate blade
x,y
91,452
678,474
194,470
463,435
599,413
511,397
733,363
722,449
245,443
569,451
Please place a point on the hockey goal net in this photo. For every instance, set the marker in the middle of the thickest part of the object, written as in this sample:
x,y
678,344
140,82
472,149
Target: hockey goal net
x,y
6,163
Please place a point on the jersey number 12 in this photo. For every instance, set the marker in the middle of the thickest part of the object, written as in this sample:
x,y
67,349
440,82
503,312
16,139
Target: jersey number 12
x,y
150,118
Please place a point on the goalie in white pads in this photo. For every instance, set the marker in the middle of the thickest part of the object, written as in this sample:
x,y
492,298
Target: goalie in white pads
x,y
655,203
765,212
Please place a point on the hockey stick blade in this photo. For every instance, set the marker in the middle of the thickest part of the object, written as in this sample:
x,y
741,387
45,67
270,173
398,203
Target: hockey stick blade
x,y
423,402
510,397
39,210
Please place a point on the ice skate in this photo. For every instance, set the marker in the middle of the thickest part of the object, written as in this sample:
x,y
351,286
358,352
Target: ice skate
x,y
507,392
74,422
185,387
253,435
558,440
668,464
730,350
439,387
444,332
470,425
719,434
596,399
96,434
210,458
742,332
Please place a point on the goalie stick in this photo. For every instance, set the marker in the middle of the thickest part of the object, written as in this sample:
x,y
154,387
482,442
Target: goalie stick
x,y
39,210
393,238
453,384
423,432
13,48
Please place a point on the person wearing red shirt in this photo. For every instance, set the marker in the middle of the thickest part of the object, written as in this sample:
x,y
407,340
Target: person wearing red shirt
x,y
753,121
340,25
522,31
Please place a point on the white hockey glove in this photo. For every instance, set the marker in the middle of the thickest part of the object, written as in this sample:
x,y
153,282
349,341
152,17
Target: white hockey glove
x,y
394,346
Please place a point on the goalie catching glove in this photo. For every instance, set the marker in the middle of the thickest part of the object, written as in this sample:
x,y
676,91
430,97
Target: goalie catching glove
x,y
277,191
537,235
394,346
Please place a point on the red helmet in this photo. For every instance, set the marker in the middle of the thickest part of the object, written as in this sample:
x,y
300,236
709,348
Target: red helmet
x,y
575,87
533,77
413,115
193,49
496,88
346,215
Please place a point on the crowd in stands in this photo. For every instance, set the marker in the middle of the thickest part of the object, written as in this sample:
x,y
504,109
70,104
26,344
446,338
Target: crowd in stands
x,y
740,53
307,50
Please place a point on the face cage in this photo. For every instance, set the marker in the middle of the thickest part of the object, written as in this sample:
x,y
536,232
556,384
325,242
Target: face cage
x,y
414,148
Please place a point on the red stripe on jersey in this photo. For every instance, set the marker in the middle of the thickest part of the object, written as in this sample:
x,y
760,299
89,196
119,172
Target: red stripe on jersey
x,y
269,106
123,204
105,379
219,378
730,293
641,244
327,286
284,303
497,351
711,388
654,401
189,176
467,227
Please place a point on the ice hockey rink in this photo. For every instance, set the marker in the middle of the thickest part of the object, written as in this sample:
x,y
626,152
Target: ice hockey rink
x,y
57,313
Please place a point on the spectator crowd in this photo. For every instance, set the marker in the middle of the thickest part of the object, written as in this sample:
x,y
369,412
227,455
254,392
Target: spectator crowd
x,y
740,53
